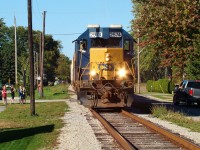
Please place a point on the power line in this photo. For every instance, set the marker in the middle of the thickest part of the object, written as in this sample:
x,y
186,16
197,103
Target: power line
x,y
38,7
38,14
65,33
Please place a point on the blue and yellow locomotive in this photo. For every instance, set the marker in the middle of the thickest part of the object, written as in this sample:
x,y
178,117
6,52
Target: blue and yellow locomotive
x,y
102,70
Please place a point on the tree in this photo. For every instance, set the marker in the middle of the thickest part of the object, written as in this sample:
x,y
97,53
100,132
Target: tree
x,y
193,65
169,28
7,53
7,70
51,55
63,69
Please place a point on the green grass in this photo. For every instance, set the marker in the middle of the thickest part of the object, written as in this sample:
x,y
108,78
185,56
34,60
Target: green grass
x,y
176,117
59,91
54,92
20,130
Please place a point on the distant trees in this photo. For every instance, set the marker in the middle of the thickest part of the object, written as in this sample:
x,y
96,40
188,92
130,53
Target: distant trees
x,y
51,55
63,69
169,31
7,55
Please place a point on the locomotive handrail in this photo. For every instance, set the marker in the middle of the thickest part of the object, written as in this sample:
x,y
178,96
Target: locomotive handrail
x,y
133,74
84,71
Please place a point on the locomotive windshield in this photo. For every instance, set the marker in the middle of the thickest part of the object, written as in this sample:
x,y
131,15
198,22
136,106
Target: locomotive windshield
x,y
111,42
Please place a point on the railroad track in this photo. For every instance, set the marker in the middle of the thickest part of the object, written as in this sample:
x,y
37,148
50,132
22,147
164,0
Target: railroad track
x,y
132,132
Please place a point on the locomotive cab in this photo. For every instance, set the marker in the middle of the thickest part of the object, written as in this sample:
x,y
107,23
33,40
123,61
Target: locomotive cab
x,y
102,71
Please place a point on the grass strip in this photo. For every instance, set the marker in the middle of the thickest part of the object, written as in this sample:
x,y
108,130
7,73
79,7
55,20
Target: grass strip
x,y
20,130
54,92
176,117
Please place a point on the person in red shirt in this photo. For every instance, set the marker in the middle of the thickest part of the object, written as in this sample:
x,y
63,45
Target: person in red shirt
x,y
39,89
4,95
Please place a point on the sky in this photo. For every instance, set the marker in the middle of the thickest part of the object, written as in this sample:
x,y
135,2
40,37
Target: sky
x,y
67,19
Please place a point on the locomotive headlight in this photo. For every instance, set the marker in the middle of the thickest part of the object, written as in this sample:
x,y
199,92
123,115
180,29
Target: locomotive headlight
x,y
122,72
93,73
107,59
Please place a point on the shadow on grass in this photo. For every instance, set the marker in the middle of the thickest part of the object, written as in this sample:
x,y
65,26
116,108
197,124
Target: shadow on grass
x,y
11,135
59,93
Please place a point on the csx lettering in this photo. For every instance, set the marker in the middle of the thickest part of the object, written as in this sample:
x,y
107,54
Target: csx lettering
x,y
107,67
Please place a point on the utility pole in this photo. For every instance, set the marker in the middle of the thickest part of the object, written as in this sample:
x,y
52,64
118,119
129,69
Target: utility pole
x,y
31,58
42,57
37,62
35,67
138,63
15,51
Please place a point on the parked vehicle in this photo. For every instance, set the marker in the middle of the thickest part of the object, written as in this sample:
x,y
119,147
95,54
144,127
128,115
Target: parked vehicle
x,y
188,91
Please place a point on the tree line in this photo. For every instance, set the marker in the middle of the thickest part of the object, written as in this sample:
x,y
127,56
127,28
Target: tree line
x,y
56,64
169,36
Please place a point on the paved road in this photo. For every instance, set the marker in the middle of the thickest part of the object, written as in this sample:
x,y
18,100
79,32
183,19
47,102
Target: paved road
x,y
192,111
2,108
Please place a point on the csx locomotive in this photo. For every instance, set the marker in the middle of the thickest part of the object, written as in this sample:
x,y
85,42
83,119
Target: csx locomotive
x,y
102,69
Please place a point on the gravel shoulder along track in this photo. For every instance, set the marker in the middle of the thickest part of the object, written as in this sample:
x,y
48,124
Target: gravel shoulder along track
x,y
82,131
77,133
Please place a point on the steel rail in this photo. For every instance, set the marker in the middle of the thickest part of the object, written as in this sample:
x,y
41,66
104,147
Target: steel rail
x,y
124,143
164,132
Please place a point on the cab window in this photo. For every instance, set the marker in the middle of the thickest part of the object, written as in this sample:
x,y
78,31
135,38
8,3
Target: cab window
x,y
83,45
127,45
111,42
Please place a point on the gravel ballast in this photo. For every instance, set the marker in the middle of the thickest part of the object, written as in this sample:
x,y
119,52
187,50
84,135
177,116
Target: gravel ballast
x,y
78,133
183,132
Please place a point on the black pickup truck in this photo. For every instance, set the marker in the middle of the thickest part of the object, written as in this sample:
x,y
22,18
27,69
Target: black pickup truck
x,y
188,91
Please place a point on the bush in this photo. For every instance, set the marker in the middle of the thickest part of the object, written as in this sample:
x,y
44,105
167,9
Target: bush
x,y
171,86
149,85
161,86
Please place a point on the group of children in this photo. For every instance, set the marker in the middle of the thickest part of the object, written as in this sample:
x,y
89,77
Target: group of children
x,y
22,96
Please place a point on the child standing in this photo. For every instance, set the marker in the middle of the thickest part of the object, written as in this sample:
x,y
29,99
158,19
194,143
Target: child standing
x,y
12,94
23,95
20,94
4,95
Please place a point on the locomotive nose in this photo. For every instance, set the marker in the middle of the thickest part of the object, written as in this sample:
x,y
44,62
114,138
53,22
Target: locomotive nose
x,y
105,61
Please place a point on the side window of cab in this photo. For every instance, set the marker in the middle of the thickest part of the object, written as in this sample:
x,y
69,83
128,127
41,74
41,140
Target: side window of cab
x,y
83,45
126,45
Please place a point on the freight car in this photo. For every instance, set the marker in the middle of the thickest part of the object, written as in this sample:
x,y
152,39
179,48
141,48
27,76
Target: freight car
x,y
102,69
